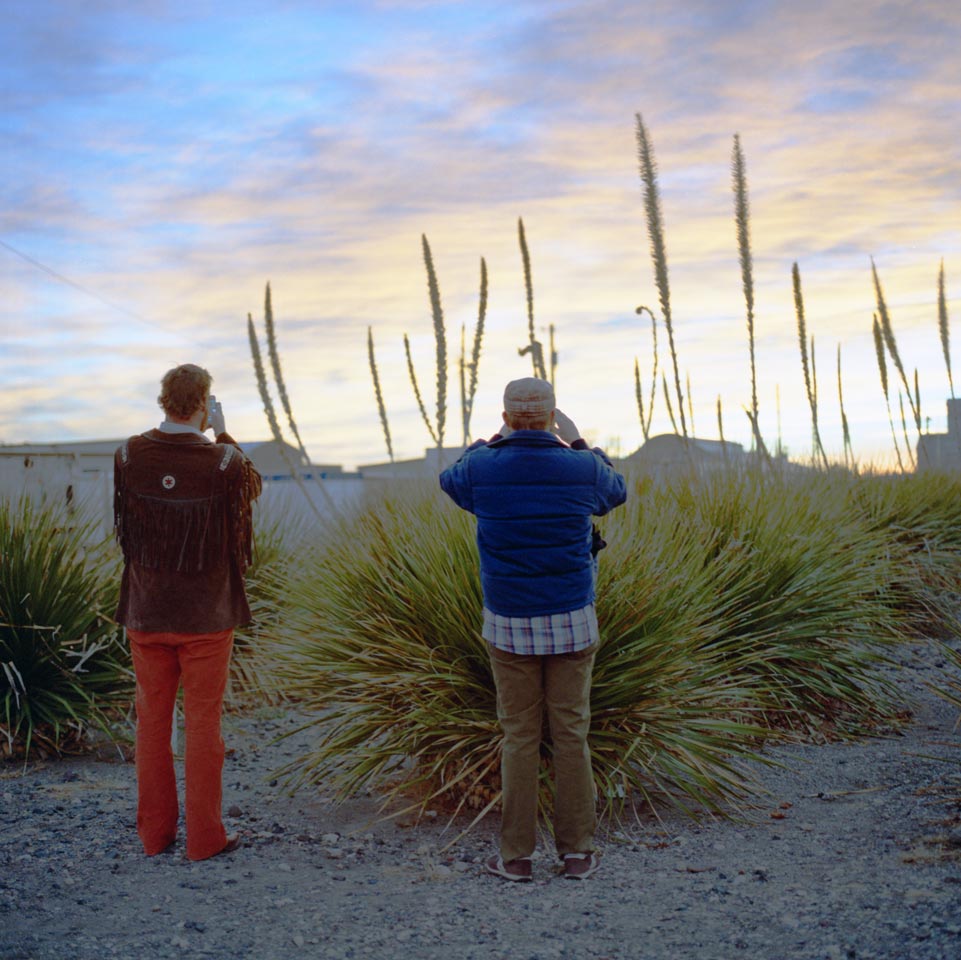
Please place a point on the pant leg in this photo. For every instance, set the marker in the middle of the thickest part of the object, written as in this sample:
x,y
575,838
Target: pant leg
x,y
205,663
567,688
520,710
157,670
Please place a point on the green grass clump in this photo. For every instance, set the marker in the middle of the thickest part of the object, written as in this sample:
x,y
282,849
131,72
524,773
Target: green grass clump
x,y
383,644
734,608
279,538
919,515
62,662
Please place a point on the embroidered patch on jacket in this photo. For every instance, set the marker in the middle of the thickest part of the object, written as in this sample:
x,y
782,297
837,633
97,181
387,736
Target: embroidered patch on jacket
x,y
168,482
228,453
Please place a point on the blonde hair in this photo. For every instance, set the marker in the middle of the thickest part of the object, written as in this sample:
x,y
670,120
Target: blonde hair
x,y
184,390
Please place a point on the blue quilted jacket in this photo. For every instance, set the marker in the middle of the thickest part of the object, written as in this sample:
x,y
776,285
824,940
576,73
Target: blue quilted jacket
x,y
534,497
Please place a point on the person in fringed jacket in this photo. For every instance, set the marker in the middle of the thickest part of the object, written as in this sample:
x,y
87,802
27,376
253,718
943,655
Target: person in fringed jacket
x,y
182,513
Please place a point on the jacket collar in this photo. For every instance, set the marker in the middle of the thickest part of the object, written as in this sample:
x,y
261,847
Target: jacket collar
x,y
181,439
530,438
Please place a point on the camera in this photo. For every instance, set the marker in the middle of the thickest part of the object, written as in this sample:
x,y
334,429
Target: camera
x,y
213,407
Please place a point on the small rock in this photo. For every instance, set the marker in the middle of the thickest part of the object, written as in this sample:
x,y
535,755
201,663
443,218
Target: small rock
x,y
298,940
235,811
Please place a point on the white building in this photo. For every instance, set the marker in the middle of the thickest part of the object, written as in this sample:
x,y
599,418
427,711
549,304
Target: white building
x,y
79,474
942,451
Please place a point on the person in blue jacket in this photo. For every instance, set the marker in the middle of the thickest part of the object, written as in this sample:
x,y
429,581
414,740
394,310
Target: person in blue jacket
x,y
534,488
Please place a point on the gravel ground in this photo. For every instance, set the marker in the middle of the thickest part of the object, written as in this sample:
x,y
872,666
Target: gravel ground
x,y
855,853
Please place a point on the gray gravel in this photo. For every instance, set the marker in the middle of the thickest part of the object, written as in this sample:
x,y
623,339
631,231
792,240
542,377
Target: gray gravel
x,y
862,859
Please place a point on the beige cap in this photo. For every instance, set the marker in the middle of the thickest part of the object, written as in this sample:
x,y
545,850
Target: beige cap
x,y
529,395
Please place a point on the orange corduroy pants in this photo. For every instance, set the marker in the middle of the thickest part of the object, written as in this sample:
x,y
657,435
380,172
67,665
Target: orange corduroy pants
x,y
162,661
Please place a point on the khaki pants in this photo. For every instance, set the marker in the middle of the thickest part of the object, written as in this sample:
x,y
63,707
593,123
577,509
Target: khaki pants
x,y
525,686
201,662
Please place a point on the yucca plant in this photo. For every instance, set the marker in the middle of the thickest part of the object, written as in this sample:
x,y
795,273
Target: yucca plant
x,y
732,609
279,538
920,517
382,641
62,661
800,592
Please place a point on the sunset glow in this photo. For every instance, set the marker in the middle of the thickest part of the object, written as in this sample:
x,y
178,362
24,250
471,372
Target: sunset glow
x,y
163,161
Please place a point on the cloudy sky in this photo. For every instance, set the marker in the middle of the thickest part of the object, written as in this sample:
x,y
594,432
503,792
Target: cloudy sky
x,y
162,161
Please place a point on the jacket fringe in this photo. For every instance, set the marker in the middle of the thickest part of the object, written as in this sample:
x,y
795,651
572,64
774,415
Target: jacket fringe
x,y
186,535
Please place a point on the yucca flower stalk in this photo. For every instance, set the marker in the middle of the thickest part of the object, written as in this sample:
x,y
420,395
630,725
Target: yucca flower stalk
x,y
281,385
462,379
274,354
883,371
777,405
646,420
440,353
904,429
412,373
271,415
943,327
474,365
810,384
892,345
534,347
553,352
757,438
742,220
381,408
849,460
655,229
670,407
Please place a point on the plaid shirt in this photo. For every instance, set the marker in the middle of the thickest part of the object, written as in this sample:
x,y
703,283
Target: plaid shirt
x,y
542,636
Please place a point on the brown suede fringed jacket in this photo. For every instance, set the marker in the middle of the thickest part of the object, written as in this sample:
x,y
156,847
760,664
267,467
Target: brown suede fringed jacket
x,y
182,514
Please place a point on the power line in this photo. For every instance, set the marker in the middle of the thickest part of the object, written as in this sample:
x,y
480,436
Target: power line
x,y
78,286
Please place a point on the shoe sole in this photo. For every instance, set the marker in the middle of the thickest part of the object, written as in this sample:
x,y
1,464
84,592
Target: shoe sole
x,y
595,866
504,874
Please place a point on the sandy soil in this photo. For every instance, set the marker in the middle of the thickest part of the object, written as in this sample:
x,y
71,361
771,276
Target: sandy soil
x,y
854,853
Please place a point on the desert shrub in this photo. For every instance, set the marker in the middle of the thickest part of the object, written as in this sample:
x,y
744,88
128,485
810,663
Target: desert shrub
x,y
62,662
919,516
733,608
382,643
777,583
279,537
